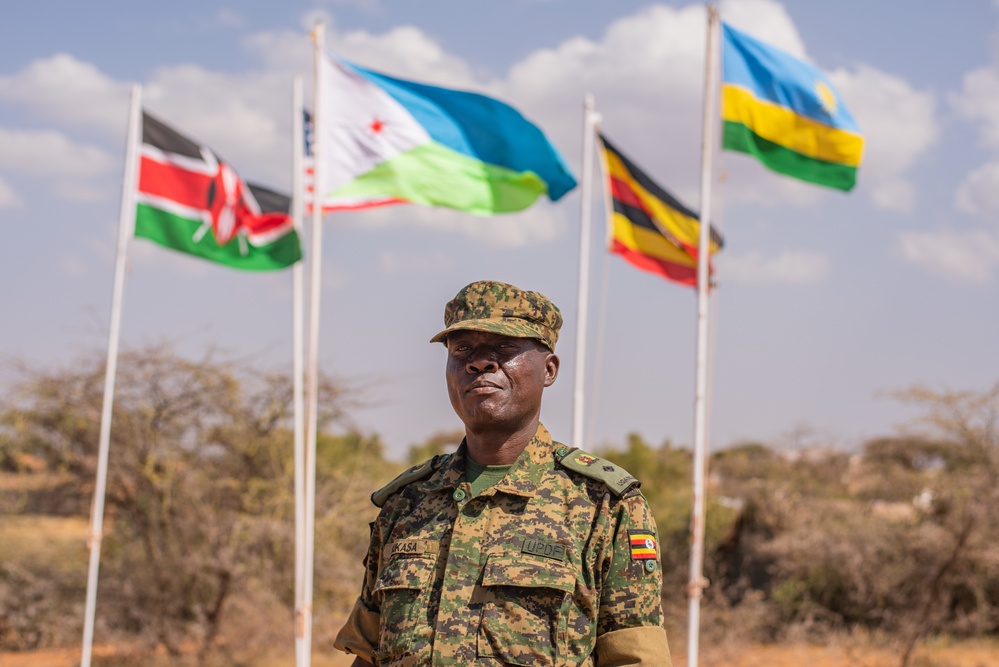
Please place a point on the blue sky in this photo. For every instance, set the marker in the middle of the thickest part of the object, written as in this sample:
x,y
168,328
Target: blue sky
x,y
827,302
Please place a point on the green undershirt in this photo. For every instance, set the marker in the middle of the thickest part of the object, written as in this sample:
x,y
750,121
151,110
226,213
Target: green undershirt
x,y
481,477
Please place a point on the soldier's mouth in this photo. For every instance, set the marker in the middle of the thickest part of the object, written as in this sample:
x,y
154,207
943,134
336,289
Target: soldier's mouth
x,y
482,388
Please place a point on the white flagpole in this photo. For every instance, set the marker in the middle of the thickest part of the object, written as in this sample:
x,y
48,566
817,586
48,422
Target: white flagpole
x,y
312,367
298,364
126,219
697,581
583,287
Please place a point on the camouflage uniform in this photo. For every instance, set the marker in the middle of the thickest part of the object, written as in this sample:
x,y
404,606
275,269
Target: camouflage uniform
x,y
556,564
537,570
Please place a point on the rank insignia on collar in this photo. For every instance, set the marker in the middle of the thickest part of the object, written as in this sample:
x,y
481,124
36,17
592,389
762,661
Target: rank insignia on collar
x,y
643,545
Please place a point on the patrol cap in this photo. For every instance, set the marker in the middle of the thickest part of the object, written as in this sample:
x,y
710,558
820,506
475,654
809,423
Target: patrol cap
x,y
488,305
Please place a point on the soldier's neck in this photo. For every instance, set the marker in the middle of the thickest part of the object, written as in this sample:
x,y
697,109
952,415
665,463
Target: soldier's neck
x,y
497,448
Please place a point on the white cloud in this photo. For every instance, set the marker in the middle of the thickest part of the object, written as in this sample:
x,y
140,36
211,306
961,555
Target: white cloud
x,y
978,101
899,126
288,52
979,193
8,197
791,267
898,122
960,256
765,20
646,73
70,167
246,118
70,91
894,195
50,152
405,52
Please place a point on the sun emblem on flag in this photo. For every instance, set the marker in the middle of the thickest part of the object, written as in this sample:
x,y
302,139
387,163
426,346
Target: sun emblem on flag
x,y
827,98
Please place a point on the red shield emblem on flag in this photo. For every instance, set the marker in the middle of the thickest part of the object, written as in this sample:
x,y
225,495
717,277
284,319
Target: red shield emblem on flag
x,y
227,204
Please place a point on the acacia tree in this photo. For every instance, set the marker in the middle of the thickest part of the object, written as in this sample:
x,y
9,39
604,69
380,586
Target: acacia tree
x,y
958,583
199,487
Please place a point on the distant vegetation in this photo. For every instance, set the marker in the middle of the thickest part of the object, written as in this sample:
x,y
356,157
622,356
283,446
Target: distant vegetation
x,y
899,541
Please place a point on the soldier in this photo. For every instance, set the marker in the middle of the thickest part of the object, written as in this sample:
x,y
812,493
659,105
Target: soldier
x,y
514,550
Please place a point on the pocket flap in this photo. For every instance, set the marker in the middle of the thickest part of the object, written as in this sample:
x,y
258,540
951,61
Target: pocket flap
x,y
518,570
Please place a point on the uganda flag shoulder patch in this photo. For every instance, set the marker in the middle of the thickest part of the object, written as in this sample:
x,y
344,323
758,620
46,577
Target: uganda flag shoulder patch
x,y
643,545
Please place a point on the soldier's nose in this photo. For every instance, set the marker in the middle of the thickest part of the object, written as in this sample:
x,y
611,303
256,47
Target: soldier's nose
x,y
482,361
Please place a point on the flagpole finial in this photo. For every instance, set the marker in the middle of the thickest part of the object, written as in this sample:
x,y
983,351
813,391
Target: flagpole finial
x,y
317,30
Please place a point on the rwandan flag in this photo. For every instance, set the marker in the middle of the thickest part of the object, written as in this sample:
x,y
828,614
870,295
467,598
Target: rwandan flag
x,y
786,113
649,228
386,138
192,201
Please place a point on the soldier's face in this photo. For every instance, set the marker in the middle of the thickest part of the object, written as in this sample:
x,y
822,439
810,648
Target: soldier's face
x,y
495,382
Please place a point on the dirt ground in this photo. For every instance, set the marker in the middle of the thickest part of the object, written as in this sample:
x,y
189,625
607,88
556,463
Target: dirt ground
x,y
965,654
968,654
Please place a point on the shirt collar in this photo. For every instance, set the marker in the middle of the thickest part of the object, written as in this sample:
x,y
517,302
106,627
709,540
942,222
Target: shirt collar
x,y
522,479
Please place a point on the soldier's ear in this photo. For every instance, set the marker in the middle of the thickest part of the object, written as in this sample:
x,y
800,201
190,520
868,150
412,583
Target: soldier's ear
x,y
552,363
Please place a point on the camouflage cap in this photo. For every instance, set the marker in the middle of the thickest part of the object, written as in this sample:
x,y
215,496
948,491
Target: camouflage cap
x,y
488,305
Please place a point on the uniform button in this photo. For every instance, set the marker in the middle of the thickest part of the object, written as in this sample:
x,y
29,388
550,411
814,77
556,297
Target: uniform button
x,y
650,566
458,495
562,451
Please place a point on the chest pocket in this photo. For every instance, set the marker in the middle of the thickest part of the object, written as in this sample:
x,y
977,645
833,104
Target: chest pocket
x,y
525,607
403,586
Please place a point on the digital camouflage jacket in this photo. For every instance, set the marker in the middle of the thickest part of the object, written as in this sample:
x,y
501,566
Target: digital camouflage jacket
x,y
557,564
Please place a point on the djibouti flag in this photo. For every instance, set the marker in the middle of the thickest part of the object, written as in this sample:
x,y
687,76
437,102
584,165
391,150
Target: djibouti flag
x,y
383,137
192,201
786,113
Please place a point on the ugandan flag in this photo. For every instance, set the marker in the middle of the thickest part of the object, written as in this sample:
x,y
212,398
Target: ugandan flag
x,y
786,113
192,201
643,545
648,227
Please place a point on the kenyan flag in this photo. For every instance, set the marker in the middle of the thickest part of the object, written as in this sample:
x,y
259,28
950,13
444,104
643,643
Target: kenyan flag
x,y
192,201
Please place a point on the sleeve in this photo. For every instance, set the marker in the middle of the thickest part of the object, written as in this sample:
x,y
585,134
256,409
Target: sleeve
x,y
359,634
629,622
